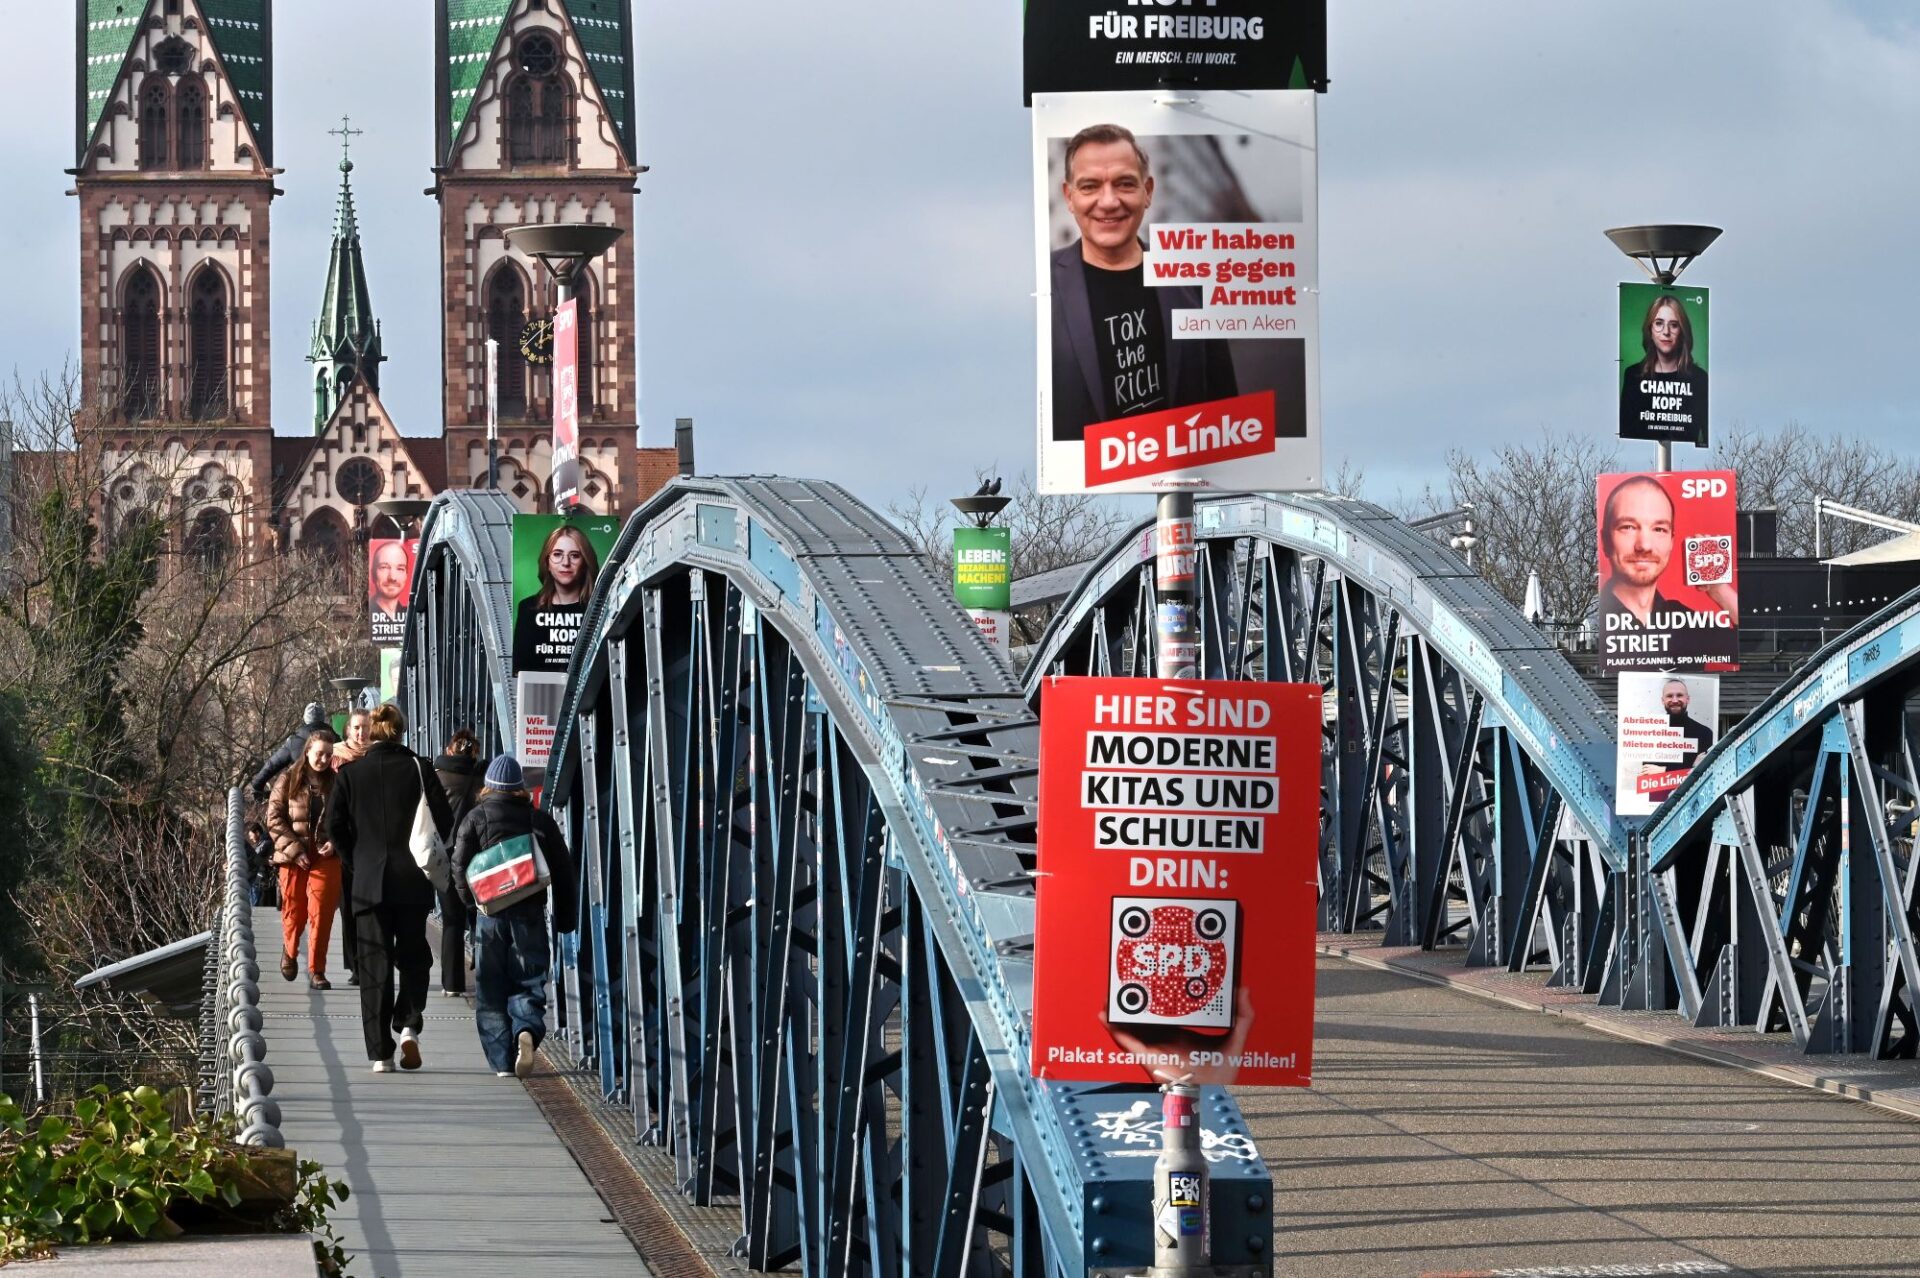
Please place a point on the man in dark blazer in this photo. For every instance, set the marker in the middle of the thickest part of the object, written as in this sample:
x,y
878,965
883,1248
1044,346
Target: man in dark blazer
x,y
370,819
1103,371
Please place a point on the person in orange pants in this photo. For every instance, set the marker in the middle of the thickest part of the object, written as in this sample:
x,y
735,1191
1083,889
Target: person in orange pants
x,y
310,873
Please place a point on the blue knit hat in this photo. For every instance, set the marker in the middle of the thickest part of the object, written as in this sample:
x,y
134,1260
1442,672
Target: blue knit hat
x,y
504,774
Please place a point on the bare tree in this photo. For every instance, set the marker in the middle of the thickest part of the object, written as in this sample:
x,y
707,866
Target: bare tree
x,y
1533,511
1048,531
1785,469
154,639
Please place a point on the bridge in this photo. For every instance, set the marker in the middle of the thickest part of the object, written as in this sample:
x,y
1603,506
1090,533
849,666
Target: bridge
x,y
797,1005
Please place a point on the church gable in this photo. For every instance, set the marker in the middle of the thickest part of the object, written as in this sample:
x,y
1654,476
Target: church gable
x,y
175,86
493,49
359,458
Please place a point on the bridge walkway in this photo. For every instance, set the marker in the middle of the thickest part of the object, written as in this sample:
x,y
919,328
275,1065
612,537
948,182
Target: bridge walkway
x,y
1448,1133
452,1171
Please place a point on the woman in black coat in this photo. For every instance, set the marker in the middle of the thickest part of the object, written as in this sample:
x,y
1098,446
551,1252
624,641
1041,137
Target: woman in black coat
x,y
370,819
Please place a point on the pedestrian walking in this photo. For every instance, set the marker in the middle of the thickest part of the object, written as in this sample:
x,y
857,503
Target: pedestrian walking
x,y
460,773
287,751
511,953
309,870
263,876
346,752
370,818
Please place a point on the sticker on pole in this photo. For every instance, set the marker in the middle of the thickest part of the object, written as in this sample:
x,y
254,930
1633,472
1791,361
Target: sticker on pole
x,y
1179,827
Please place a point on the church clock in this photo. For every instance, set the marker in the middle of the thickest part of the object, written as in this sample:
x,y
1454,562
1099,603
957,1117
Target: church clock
x,y
536,342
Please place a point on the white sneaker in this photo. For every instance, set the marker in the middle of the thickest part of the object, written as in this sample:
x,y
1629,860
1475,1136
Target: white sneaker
x,y
523,1060
409,1050
383,1067
503,1073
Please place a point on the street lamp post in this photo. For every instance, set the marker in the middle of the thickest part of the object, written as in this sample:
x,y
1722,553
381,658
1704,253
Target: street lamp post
x,y
1664,250
565,249
348,686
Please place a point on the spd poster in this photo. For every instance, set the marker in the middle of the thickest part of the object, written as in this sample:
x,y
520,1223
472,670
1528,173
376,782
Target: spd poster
x,y
1669,572
389,587
1663,363
1179,828
1177,251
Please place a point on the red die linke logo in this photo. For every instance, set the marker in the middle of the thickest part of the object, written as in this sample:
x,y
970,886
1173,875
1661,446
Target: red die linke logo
x,y
1180,438
1171,960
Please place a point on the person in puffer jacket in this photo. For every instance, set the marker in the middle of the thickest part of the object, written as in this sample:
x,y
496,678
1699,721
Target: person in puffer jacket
x,y
511,950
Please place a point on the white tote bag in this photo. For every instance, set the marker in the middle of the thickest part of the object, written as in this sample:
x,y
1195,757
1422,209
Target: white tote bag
x,y
429,849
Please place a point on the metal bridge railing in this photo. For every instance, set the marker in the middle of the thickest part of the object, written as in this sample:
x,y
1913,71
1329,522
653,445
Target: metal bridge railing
x,y
235,1077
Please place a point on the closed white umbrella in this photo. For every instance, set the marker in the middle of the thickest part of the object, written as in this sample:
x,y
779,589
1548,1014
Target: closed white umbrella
x,y
1534,607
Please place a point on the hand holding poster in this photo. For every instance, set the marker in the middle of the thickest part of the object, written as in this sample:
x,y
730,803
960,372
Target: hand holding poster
x,y
1179,829
1178,291
1669,569
389,587
1664,724
1663,363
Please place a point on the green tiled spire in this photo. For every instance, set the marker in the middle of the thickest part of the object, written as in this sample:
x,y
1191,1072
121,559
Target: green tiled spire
x,y
346,337
470,34
242,34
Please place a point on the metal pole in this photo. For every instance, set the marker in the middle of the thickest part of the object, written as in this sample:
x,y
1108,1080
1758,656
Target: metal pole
x,y
33,1045
493,413
1181,1233
563,290
1175,559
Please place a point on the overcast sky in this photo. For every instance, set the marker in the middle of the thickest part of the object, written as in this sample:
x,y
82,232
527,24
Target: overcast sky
x,y
836,274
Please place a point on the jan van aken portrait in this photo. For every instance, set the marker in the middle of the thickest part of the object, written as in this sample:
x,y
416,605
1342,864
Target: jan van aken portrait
x,y
1115,352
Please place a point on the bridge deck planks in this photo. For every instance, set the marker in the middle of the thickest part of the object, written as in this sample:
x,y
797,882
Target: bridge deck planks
x,y
1445,1132
452,1171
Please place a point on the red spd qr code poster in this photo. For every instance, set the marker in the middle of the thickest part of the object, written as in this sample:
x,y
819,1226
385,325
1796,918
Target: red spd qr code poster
x,y
1179,823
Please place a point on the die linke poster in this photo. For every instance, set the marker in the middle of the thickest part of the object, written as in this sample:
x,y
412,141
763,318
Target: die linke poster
x,y
1179,834
1176,242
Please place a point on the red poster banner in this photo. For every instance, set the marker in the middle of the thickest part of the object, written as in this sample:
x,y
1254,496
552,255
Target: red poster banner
x,y
566,404
1179,828
1669,571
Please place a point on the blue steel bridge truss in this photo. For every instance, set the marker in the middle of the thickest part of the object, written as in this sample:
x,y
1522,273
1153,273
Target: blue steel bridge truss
x,y
802,789
1467,778
1780,879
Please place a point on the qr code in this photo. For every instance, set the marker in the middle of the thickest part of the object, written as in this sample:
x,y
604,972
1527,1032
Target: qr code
x,y
1709,561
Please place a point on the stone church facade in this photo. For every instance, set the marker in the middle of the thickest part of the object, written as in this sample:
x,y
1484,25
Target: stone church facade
x,y
175,179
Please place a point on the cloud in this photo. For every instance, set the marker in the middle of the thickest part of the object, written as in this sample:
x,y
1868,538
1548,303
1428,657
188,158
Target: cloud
x,y
836,277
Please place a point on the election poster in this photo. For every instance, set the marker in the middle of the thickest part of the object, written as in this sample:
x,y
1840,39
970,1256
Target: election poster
x,y
389,587
1664,723
556,562
996,627
1178,301
389,674
566,404
1083,46
1669,571
1663,363
1179,828
983,568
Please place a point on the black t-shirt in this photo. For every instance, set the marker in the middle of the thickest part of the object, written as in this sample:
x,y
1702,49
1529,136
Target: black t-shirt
x,y
543,637
1131,338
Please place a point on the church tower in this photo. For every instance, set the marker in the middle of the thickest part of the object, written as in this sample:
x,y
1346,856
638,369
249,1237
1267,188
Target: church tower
x,y
534,110
346,337
174,173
